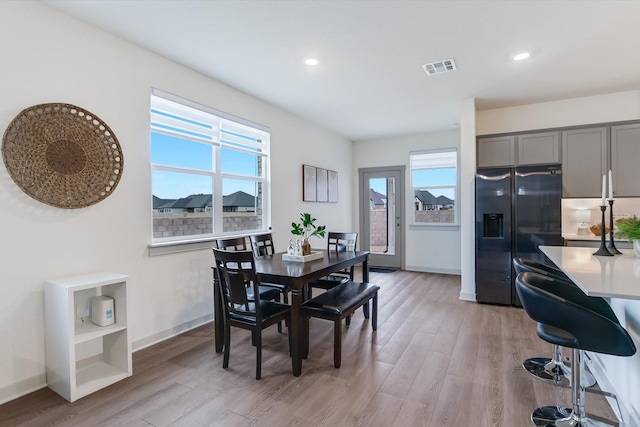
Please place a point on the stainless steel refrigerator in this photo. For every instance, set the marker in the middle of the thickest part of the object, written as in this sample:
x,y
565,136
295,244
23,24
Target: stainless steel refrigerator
x,y
517,210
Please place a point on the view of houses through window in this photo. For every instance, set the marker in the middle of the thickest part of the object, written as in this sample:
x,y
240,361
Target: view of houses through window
x,y
434,181
209,171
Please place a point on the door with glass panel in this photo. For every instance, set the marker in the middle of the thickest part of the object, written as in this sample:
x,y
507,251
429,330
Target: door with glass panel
x,y
382,214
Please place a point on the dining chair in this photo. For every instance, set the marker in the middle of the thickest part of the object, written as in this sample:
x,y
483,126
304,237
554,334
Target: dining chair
x,y
243,307
268,291
336,244
567,317
262,245
232,244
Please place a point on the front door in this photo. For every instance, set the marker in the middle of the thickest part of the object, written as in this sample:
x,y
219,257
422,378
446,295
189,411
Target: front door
x,y
382,214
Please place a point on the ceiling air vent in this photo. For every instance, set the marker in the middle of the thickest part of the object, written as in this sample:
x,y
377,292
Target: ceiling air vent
x,y
439,67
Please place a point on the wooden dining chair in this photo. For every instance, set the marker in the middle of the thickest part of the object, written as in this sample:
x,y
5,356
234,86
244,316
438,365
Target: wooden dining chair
x,y
232,244
336,244
262,245
268,291
243,307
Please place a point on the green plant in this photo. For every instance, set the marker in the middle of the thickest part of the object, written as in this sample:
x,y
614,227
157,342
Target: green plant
x,y
306,227
629,228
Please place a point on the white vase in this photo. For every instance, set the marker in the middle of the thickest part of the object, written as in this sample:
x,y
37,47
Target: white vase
x,y
636,248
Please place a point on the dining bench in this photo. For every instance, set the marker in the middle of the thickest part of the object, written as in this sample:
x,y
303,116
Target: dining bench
x,y
340,302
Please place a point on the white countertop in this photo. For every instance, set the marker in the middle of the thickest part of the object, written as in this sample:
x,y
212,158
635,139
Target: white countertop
x,y
603,276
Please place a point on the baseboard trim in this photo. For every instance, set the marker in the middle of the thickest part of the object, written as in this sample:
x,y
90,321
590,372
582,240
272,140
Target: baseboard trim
x,y
170,333
468,296
22,388
455,272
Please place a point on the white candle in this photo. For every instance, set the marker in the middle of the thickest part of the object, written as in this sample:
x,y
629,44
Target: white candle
x,y
610,186
604,189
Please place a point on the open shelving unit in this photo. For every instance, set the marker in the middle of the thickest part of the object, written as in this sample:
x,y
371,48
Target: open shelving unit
x,y
83,357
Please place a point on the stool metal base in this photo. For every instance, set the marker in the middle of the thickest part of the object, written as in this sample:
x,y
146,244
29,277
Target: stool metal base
x,y
547,416
558,416
547,370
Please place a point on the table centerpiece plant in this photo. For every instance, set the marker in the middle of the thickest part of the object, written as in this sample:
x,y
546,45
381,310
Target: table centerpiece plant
x,y
629,228
307,228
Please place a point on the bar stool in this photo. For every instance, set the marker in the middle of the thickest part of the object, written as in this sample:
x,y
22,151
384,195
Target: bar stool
x,y
566,318
553,369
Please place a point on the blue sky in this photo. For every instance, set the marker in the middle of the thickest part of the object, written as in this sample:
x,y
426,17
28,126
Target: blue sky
x,y
172,151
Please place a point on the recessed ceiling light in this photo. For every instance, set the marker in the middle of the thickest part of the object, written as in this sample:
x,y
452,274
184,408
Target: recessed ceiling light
x,y
521,56
311,61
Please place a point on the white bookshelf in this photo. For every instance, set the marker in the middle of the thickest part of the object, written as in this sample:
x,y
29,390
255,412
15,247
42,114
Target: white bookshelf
x,y
82,357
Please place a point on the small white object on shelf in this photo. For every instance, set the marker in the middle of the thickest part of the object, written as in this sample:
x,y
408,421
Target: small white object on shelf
x,y
303,258
102,313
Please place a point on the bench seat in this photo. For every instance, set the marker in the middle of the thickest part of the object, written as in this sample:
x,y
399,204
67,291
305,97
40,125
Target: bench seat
x,y
340,302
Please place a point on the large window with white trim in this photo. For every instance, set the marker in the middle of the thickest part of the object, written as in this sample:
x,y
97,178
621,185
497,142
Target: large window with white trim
x,y
210,171
434,179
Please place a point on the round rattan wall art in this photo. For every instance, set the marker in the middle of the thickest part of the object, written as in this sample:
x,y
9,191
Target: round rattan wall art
x,y
62,155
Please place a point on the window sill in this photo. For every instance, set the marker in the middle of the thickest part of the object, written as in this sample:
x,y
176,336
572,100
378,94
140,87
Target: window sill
x,y
435,226
178,246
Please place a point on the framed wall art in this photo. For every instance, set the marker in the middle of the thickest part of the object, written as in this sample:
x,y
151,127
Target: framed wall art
x,y
308,183
319,184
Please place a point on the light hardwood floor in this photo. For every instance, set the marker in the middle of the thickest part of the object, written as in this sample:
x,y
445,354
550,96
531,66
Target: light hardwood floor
x,y
434,361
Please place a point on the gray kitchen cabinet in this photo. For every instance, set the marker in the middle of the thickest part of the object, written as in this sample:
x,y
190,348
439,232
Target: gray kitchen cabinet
x,y
496,151
513,150
538,148
584,161
625,154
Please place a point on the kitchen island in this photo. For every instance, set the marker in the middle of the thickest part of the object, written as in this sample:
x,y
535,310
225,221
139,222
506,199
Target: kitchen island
x,y
599,276
618,279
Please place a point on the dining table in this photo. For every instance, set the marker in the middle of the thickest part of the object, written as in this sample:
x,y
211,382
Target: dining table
x,y
296,275
615,276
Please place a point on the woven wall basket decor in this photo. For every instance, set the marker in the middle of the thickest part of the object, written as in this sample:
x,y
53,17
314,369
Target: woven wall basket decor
x,y
62,155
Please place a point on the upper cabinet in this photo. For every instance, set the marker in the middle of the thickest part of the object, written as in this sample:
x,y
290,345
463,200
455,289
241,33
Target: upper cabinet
x,y
496,151
584,161
538,148
625,153
585,154
515,150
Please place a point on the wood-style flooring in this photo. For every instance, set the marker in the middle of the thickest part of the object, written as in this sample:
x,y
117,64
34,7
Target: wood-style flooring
x,y
434,361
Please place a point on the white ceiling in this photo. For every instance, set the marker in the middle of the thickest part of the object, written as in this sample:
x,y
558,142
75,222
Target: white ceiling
x,y
370,82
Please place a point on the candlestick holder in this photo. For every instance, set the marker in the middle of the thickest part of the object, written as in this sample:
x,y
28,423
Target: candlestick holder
x,y
612,246
603,251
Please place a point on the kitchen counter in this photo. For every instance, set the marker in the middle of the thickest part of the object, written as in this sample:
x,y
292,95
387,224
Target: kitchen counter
x,y
589,237
592,241
609,276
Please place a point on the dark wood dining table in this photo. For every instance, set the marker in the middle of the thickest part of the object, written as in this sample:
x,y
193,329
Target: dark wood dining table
x,y
296,275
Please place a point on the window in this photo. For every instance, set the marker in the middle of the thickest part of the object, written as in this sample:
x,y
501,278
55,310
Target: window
x,y
209,171
434,178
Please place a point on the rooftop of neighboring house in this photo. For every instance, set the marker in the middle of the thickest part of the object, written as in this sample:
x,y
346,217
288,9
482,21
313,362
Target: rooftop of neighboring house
x,y
195,201
429,199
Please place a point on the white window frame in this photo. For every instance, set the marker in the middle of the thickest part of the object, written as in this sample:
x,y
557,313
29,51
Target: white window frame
x,y
417,164
218,137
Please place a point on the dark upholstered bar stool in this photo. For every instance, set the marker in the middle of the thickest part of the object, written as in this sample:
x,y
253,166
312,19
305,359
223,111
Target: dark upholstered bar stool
x,y
566,318
553,369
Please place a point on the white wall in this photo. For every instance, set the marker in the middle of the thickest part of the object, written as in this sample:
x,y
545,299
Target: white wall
x,y
434,249
621,374
49,57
